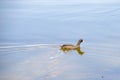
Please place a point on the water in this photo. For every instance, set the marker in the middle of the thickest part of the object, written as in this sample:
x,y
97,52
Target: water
x,y
32,32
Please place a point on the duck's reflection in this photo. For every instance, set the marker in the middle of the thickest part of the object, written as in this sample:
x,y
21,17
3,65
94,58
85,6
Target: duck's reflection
x,y
79,51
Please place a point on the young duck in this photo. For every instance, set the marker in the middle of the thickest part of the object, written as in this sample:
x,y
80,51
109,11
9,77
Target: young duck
x,y
70,46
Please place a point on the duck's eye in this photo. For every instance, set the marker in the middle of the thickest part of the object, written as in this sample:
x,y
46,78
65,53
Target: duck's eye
x,y
81,40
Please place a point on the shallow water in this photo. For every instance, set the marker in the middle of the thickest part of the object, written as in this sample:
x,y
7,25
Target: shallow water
x,y
32,32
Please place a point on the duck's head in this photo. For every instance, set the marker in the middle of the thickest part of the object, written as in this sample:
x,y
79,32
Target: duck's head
x,y
81,40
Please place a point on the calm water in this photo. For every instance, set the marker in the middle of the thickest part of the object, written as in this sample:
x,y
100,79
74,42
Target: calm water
x,y
32,31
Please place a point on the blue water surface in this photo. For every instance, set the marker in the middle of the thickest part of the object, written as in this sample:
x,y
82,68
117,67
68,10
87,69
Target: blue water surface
x,y
31,33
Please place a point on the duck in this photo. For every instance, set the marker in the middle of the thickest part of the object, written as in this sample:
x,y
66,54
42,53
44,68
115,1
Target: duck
x,y
65,47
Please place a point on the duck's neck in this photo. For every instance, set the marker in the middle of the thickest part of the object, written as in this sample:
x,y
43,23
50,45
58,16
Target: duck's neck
x,y
78,43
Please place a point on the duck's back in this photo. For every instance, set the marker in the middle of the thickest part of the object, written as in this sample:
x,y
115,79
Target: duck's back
x,y
67,46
